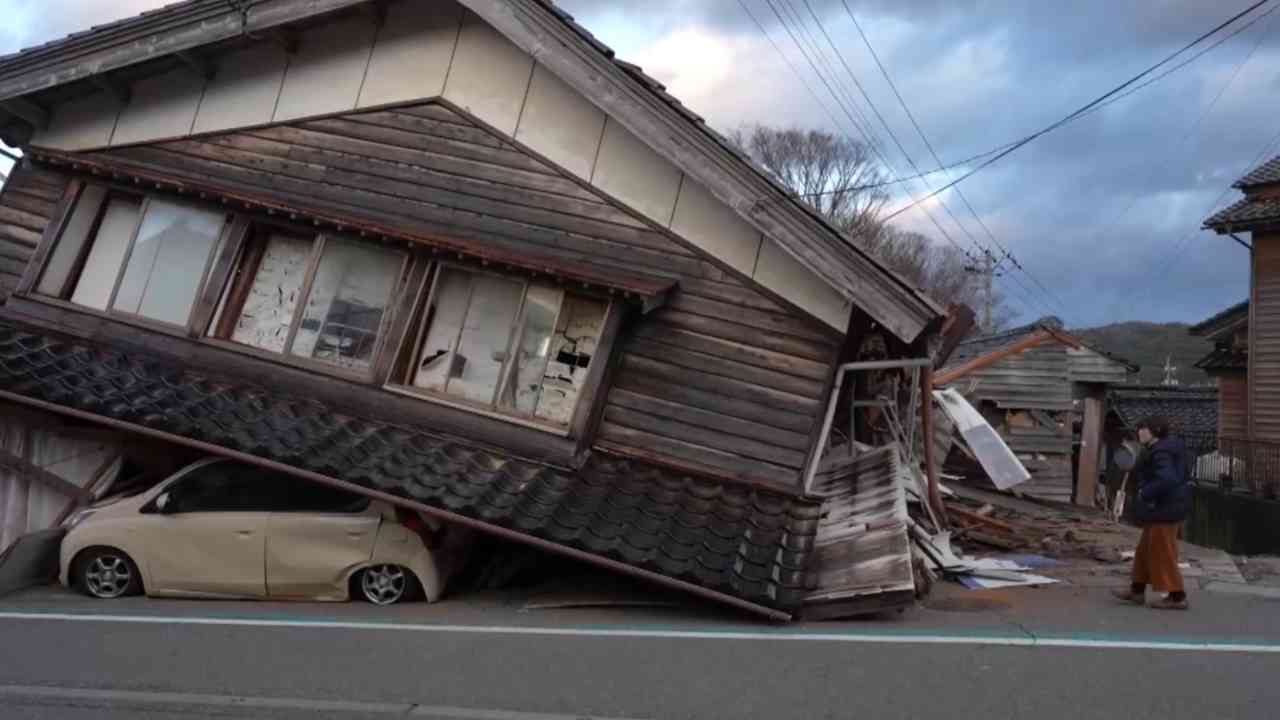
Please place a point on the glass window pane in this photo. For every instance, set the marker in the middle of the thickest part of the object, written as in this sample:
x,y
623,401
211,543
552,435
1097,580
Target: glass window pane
x,y
76,234
168,261
486,338
444,325
102,267
529,364
572,350
269,308
349,296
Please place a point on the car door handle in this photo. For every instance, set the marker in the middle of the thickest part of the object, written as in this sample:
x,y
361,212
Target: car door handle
x,y
244,533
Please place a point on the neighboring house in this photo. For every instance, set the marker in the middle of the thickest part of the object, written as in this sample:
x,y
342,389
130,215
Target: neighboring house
x,y
1192,411
452,252
1228,365
1258,216
1032,383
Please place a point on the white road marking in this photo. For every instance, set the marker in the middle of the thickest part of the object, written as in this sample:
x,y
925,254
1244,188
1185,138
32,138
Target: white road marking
x,y
886,638
115,698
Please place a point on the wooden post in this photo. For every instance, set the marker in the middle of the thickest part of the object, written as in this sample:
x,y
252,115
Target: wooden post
x,y
1090,447
930,462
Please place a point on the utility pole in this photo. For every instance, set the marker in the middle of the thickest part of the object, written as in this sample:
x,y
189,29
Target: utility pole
x,y
987,272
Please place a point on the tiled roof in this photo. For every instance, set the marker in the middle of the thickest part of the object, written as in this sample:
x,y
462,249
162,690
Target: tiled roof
x,y
986,344
732,539
1265,174
1230,316
1245,212
1189,410
1224,359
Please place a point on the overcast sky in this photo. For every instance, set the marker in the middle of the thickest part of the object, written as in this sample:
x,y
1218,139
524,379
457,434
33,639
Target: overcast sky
x,y
1104,212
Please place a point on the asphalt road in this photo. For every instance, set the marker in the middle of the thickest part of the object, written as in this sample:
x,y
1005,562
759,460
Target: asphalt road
x,y
1067,654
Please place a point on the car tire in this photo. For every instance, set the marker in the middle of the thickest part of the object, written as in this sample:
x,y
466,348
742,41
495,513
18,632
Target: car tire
x,y
106,573
385,584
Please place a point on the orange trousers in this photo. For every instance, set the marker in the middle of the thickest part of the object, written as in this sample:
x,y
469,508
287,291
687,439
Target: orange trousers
x,y
1155,562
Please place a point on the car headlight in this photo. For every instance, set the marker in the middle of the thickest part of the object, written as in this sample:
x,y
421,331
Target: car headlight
x,y
79,516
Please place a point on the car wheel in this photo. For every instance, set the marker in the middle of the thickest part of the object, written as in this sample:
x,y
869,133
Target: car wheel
x,y
108,573
385,584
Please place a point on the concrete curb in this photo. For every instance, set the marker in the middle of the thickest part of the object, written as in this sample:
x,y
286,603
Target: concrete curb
x,y
1234,588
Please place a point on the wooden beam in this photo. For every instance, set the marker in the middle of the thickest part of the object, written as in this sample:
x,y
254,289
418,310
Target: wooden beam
x,y
153,36
1090,447
95,481
992,358
201,67
27,110
959,323
42,476
930,460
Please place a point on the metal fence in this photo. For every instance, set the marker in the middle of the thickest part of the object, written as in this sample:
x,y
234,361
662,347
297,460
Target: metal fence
x,y
1234,464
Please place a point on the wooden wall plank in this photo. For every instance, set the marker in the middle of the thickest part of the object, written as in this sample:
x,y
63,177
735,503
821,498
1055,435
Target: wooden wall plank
x,y
723,378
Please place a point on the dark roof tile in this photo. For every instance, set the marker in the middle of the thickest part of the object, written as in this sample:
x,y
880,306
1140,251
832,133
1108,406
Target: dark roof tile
x,y
1265,174
1191,410
741,541
1245,212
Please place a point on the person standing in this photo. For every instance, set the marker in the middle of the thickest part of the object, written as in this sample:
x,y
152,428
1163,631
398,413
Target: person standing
x,y
1163,501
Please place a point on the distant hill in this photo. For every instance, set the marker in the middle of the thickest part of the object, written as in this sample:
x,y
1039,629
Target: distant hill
x,y
1148,344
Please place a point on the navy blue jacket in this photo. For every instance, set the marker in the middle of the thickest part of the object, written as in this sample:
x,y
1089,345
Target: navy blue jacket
x,y
1164,485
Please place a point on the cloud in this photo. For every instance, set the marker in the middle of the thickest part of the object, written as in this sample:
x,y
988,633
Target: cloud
x,y
1105,212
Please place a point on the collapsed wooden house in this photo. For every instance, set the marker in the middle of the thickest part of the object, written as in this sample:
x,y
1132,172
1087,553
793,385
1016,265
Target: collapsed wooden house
x,y
451,254
1033,383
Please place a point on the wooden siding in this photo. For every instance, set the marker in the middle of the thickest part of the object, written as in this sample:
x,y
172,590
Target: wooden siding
x,y
1035,379
1090,366
448,51
26,207
1233,405
722,379
1264,355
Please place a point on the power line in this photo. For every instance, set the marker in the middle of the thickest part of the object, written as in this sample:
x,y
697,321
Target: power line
x,y
842,104
1083,109
943,168
929,145
815,58
1196,126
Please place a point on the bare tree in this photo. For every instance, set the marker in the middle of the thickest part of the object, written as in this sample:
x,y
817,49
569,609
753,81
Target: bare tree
x,y
835,175
838,177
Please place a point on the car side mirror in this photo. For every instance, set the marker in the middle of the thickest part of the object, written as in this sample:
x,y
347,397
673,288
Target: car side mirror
x,y
164,503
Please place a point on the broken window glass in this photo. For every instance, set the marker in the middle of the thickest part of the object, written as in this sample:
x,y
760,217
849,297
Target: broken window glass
x,y
572,349
486,338
268,310
521,349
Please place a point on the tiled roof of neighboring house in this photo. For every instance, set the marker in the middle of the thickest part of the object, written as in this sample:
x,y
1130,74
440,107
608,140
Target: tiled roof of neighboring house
x,y
1227,318
1265,174
1247,211
1224,359
1190,410
741,542
986,344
